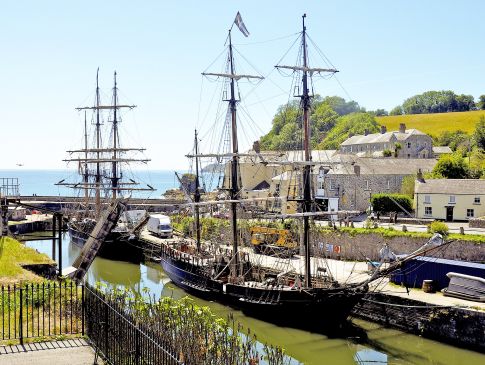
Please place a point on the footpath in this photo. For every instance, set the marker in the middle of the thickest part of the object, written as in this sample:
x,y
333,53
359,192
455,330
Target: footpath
x,y
71,352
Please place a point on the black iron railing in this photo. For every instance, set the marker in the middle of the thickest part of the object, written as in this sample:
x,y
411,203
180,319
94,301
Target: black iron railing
x,y
118,338
40,310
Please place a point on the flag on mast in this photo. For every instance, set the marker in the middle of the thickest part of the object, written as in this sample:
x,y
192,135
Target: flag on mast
x,y
240,24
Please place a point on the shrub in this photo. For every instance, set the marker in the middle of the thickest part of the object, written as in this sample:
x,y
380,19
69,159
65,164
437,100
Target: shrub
x,y
387,202
387,153
438,227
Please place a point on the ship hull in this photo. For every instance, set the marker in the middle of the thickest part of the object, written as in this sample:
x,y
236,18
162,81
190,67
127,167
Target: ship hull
x,y
319,310
116,246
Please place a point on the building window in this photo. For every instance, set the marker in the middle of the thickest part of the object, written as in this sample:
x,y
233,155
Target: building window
x,y
320,184
428,211
277,188
476,200
427,199
470,213
366,184
350,148
332,185
452,199
409,144
409,156
388,184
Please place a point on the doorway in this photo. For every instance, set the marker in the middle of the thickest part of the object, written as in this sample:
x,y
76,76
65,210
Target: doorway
x,y
449,214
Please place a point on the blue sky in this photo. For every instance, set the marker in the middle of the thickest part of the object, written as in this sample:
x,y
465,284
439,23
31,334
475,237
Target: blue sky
x,y
386,51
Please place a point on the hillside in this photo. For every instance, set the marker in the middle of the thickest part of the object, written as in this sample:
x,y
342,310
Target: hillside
x,y
434,124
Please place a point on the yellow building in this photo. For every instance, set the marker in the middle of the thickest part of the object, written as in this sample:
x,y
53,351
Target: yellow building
x,y
449,199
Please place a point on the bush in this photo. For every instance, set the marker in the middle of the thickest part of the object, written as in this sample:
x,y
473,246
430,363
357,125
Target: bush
x,y
385,203
438,227
387,153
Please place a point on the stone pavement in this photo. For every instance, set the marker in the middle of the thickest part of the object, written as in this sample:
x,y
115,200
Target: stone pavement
x,y
70,352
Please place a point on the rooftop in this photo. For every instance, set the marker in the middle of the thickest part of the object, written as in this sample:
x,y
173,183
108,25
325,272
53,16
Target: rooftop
x,y
381,137
451,186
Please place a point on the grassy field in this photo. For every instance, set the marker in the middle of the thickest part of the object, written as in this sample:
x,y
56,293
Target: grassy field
x,y
434,124
12,255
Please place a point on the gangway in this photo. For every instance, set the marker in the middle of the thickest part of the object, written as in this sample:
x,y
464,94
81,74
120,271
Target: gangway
x,y
104,226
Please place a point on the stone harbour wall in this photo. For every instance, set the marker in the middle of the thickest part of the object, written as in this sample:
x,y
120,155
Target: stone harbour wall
x,y
457,326
360,246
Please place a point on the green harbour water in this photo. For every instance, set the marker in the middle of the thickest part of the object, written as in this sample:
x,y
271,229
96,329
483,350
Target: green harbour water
x,y
365,344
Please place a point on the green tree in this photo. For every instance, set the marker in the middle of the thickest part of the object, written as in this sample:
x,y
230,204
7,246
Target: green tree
x,y
341,106
481,102
479,134
396,110
453,139
451,167
438,102
355,123
407,187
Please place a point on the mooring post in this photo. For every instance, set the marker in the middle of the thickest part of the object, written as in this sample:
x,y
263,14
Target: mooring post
x,y
54,231
59,216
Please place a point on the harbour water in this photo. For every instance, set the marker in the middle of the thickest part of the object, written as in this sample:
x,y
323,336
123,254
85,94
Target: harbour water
x,y
365,344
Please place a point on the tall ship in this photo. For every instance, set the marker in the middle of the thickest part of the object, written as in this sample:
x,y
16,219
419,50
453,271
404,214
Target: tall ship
x,y
261,285
104,171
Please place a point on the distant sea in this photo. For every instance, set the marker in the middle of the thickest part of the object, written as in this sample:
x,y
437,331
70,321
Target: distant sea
x,y
41,182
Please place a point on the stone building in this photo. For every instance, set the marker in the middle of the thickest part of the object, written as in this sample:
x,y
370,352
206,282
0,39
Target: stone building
x,y
449,199
351,182
413,144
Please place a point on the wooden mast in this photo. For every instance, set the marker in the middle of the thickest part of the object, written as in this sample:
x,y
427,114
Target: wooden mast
x,y
114,177
305,101
197,193
306,202
98,146
86,172
234,167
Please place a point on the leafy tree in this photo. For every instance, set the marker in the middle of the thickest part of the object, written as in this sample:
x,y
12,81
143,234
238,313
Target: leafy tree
x,y
481,102
397,110
407,187
451,167
355,123
287,132
387,153
476,165
379,112
342,107
438,102
453,139
479,134
397,148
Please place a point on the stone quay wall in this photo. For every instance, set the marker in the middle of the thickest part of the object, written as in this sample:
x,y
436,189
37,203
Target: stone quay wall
x,y
456,326
367,245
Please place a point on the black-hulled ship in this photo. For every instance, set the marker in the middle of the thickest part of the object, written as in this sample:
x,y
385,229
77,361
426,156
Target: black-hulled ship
x,y
231,273
102,163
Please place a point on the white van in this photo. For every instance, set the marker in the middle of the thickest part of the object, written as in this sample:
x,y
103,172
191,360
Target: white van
x,y
160,225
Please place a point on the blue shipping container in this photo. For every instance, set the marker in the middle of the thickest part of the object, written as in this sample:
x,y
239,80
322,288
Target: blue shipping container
x,y
415,271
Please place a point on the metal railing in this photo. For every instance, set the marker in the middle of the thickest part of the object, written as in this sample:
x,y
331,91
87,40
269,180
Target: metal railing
x,y
118,338
40,310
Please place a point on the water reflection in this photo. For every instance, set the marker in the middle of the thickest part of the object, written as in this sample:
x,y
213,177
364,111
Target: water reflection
x,y
366,344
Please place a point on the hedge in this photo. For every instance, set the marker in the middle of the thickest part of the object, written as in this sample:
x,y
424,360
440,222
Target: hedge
x,y
385,203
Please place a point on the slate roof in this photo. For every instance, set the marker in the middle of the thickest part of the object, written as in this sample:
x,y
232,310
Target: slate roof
x,y
381,137
380,166
442,149
451,186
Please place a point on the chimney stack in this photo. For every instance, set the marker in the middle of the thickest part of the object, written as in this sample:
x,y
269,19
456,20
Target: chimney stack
x,y
402,128
420,177
383,129
256,147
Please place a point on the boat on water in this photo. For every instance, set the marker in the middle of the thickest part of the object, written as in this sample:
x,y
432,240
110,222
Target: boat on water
x,y
230,273
103,169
